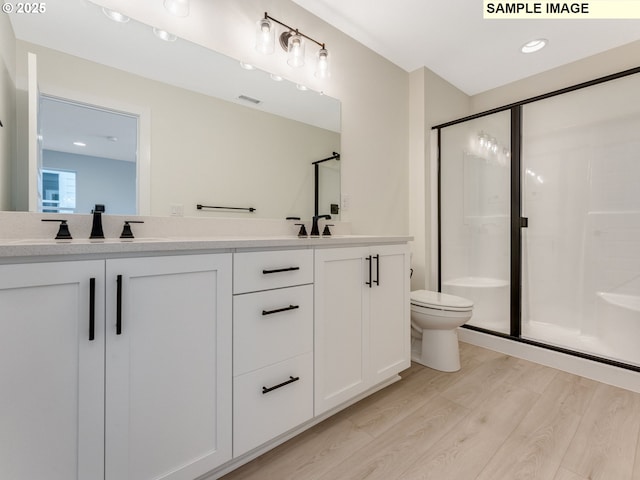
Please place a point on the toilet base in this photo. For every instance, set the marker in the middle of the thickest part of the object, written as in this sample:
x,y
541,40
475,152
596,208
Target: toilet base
x,y
438,349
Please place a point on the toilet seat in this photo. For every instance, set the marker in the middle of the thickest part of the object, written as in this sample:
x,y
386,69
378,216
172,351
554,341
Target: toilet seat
x,y
440,301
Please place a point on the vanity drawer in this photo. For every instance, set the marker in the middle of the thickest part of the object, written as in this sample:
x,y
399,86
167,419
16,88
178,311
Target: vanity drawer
x,y
254,271
288,402
271,326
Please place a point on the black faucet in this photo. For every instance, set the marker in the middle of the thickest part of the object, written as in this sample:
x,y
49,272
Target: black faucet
x,y
315,231
96,228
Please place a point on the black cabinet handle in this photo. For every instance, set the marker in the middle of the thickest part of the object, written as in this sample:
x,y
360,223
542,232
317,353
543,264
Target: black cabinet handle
x,y
284,309
368,259
279,270
271,389
92,309
119,305
377,280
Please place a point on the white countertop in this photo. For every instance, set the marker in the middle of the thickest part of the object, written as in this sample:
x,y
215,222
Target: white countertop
x,y
20,248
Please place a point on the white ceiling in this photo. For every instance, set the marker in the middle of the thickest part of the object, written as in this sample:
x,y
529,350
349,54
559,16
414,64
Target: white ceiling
x,y
451,38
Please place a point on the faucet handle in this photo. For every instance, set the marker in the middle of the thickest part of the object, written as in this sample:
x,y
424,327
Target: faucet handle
x,y
126,230
303,230
63,231
326,232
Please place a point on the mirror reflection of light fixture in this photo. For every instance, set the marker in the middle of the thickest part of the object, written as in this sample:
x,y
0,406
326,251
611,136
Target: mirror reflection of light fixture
x,y
115,16
164,35
179,8
293,42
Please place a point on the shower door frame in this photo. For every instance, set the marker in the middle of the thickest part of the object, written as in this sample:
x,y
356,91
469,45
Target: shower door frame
x,y
518,222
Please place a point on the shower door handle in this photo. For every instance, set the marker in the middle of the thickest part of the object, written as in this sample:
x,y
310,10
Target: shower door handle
x,y
524,222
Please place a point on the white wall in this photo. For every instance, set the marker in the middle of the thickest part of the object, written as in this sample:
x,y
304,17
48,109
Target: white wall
x,y
7,110
432,101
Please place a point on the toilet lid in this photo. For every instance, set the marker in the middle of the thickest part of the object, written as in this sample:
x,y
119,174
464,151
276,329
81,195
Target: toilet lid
x,y
441,301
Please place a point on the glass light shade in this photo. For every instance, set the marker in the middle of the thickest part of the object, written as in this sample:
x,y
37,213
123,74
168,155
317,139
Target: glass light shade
x,y
179,8
296,50
322,65
265,36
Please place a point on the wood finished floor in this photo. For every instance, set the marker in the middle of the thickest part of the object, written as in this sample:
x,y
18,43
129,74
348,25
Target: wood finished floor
x,y
498,418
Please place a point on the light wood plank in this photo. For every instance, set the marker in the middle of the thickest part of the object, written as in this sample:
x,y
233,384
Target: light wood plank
x,y
464,451
607,438
403,444
473,390
564,474
536,447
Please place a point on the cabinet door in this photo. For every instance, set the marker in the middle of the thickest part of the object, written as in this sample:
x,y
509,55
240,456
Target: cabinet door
x,y
341,333
51,371
389,322
168,366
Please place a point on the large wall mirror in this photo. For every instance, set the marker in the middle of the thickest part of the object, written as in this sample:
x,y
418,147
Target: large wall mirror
x,y
188,123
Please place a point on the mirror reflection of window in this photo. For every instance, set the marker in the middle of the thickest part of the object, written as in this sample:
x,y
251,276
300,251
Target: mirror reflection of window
x,y
99,146
58,191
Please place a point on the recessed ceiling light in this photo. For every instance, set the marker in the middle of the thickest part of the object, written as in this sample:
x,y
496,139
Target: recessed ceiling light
x,y
534,45
80,144
164,35
276,78
301,87
115,16
247,66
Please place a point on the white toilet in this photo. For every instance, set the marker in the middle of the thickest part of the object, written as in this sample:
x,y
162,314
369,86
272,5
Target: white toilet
x,y
434,319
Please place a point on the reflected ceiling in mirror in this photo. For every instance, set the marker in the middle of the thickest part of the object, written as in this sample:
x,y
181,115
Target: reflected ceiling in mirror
x,y
80,28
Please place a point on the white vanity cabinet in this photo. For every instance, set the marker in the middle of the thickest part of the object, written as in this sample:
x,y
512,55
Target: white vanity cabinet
x,y
272,345
168,366
52,370
117,369
362,320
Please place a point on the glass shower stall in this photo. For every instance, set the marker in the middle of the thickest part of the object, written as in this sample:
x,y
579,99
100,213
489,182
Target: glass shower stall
x,y
539,219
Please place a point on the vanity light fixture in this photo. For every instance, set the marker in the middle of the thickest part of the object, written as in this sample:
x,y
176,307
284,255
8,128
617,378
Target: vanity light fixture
x,y
534,45
293,42
179,8
115,16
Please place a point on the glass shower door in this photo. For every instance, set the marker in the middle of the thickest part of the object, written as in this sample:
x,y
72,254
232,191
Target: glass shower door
x,y
475,217
581,250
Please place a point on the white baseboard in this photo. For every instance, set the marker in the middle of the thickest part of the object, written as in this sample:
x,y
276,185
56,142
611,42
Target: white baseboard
x,y
601,372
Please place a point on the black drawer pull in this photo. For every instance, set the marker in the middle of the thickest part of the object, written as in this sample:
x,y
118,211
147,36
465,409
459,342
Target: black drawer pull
x,y
92,309
279,270
118,304
284,309
270,389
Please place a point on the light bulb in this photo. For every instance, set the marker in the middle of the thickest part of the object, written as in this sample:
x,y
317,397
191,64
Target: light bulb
x,y
322,66
265,36
296,50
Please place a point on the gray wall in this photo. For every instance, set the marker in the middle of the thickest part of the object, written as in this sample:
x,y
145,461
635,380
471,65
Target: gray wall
x,y
98,180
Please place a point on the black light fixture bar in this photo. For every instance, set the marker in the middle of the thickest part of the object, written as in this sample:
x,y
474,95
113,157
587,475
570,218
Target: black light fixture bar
x,y
291,29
